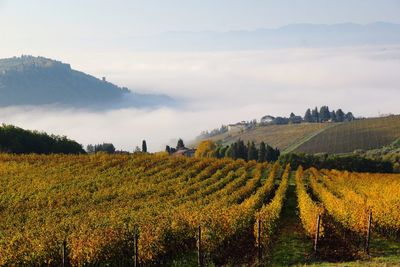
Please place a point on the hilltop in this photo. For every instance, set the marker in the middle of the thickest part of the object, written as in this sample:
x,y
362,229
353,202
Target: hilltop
x,y
29,80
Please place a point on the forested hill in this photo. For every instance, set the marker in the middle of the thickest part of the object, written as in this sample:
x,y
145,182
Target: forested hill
x,y
31,80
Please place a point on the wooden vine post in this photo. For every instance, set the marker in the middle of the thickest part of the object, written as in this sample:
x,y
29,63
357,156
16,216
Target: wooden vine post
x,y
316,239
200,259
368,237
64,253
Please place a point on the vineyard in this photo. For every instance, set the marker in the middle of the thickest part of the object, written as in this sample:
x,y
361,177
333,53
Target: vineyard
x,y
363,134
118,209
311,138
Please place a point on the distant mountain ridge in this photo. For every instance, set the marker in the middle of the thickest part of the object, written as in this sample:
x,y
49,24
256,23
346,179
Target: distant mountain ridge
x,y
292,35
29,80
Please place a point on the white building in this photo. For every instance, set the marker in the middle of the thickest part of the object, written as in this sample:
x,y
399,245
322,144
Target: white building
x,y
267,119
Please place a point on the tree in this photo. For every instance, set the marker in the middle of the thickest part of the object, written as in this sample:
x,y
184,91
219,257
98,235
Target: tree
x,y
205,149
240,150
333,116
144,146
168,149
340,115
308,117
229,153
220,151
105,147
281,120
180,145
315,115
272,154
269,154
324,114
252,153
90,149
261,152
349,116
17,140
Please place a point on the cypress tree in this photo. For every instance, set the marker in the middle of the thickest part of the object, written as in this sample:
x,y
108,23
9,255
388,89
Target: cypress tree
x,y
315,115
144,146
235,150
180,145
340,115
333,116
308,117
252,151
269,154
324,114
261,152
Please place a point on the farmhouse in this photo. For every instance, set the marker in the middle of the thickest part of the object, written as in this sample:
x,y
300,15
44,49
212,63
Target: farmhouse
x,y
240,126
267,119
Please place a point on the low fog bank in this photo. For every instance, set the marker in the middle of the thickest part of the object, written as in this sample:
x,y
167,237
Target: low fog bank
x,y
226,79
221,88
125,128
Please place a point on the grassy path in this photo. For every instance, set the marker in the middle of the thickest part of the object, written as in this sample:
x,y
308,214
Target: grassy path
x,y
291,246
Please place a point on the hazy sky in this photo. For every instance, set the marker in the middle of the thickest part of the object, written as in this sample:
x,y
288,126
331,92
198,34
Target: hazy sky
x,y
57,28
217,87
123,17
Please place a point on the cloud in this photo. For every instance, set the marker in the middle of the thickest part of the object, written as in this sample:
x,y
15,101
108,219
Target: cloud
x,y
220,88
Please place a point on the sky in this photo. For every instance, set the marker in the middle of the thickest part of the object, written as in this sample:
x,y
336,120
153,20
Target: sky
x,y
123,17
217,87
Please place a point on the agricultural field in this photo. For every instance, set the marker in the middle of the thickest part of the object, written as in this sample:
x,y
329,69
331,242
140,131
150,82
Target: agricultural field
x,y
280,136
161,210
312,138
347,137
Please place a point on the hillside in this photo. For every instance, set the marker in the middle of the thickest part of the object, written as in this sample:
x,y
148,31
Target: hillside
x,y
31,80
321,137
280,136
361,134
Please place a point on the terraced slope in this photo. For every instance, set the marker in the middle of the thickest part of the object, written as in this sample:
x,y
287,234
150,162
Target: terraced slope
x,y
347,137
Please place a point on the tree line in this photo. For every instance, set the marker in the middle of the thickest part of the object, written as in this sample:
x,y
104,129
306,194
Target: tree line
x,y
19,141
353,163
238,150
264,152
109,148
324,115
